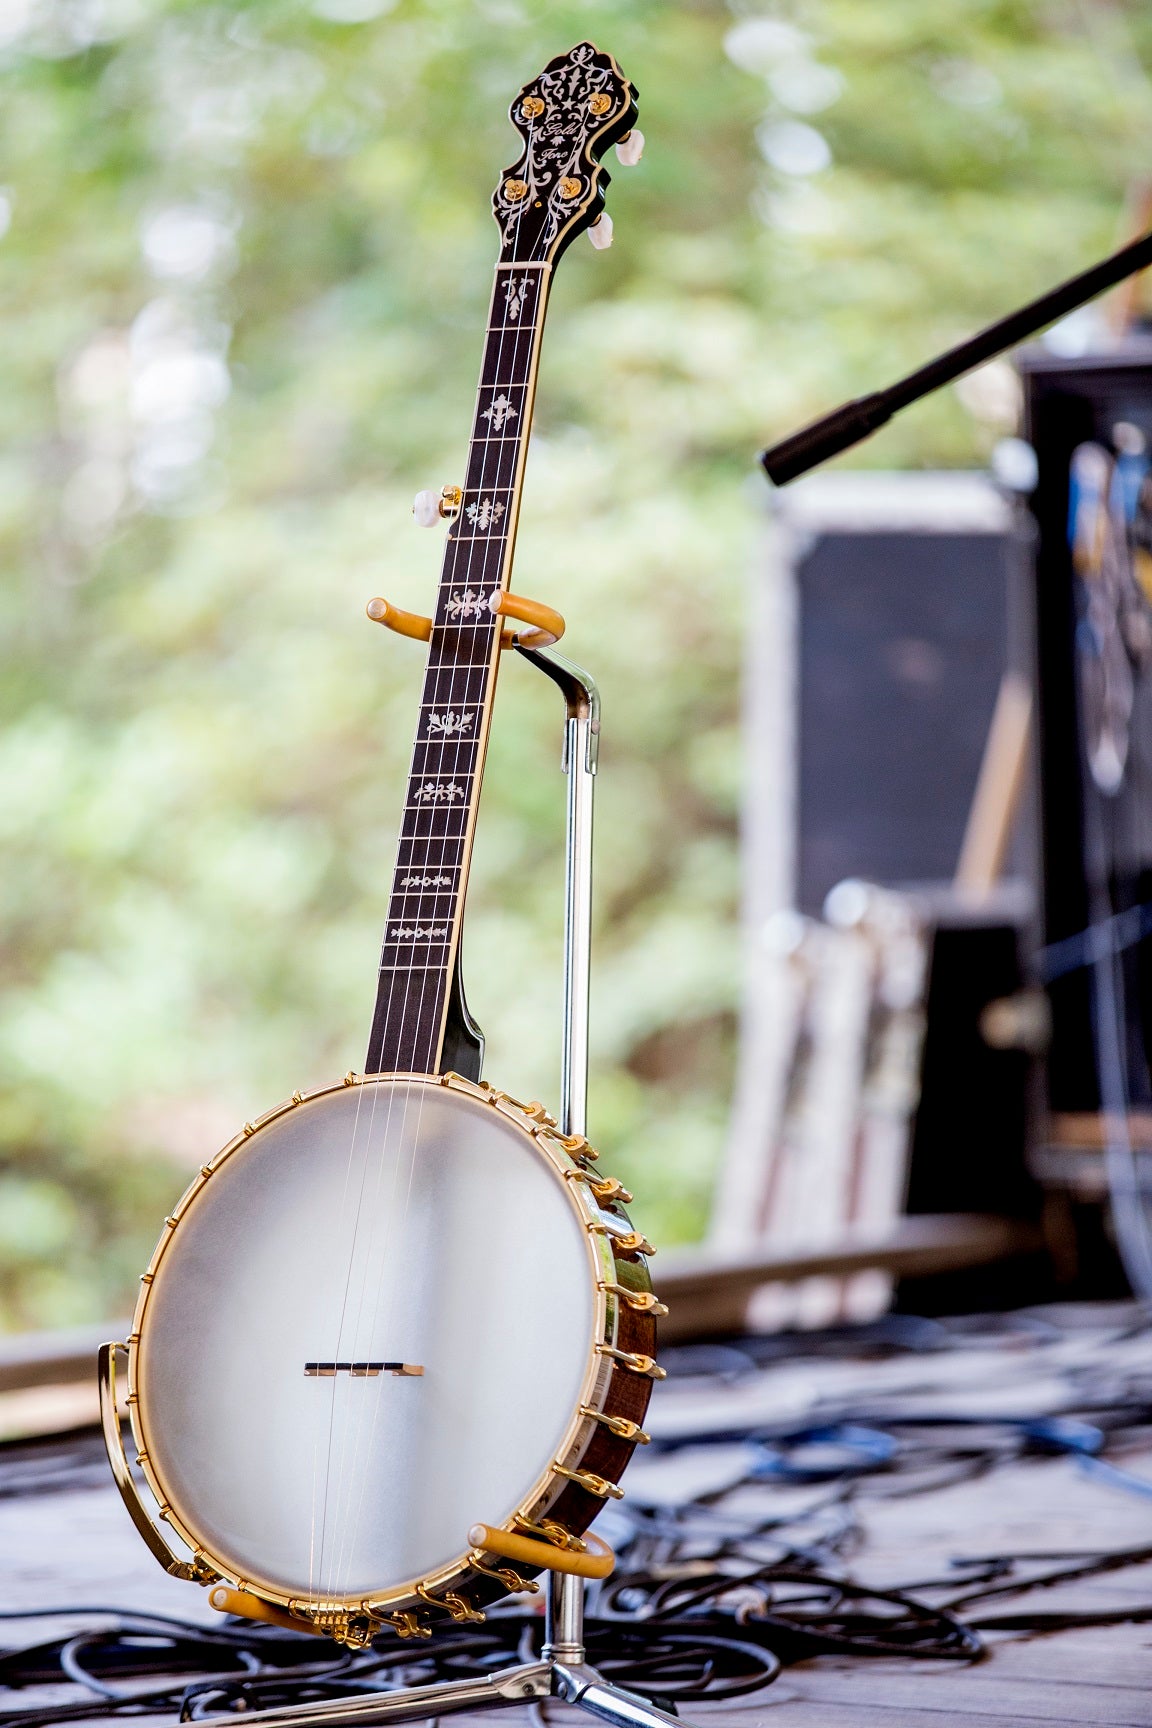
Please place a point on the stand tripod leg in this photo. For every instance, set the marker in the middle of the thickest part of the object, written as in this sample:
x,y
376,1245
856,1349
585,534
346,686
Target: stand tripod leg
x,y
520,1685
588,1691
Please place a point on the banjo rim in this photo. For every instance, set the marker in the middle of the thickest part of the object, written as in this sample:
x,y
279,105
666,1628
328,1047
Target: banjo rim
x,y
562,1154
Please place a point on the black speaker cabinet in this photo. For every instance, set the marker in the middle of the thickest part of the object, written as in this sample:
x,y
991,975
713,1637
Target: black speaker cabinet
x,y
902,593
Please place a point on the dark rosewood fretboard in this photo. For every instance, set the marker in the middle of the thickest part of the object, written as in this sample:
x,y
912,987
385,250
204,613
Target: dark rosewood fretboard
x,y
426,905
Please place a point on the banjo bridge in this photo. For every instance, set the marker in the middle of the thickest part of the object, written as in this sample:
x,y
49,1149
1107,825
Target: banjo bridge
x,y
361,1370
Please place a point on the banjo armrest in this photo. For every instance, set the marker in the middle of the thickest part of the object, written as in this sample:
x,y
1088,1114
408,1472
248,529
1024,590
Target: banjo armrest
x,y
193,1570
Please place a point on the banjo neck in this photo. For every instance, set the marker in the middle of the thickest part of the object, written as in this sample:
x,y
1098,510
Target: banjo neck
x,y
425,910
567,118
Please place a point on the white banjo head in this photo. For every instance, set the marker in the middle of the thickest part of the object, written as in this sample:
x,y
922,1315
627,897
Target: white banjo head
x,y
399,1222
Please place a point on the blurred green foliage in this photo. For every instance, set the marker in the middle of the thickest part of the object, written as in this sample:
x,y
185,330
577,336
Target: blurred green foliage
x,y
242,287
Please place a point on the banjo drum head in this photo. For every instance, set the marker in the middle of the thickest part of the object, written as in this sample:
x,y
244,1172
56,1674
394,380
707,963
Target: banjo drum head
x,y
393,1221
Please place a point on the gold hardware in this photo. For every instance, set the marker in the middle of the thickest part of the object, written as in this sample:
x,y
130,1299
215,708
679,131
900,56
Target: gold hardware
x,y
511,1581
514,190
147,1277
570,188
635,1360
641,1301
171,1222
539,1113
194,1571
205,1170
297,1097
618,1425
408,1625
593,1484
604,1187
549,1529
599,103
358,1631
248,1129
454,1605
577,1147
594,1560
451,498
351,1077
624,1242
532,107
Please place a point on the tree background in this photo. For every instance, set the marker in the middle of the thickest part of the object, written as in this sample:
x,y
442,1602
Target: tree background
x,y
243,276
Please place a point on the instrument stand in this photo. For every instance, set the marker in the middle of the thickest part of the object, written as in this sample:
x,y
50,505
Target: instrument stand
x,y
562,1672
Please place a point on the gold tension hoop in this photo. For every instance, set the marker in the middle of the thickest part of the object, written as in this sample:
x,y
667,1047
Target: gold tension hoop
x,y
547,625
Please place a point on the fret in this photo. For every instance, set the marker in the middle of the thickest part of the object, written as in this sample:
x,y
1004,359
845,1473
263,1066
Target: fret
x,y
498,386
391,967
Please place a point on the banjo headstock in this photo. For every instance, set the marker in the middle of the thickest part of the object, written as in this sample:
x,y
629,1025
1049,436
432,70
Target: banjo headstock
x,y
578,107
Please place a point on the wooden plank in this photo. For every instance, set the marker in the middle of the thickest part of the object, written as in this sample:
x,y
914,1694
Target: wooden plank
x,y
54,1358
709,1292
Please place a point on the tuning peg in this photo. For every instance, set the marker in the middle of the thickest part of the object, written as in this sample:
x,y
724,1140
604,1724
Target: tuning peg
x,y
631,148
429,508
600,232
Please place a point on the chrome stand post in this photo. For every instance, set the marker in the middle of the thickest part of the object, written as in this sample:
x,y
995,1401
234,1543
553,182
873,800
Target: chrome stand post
x,y
564,1625
561,1672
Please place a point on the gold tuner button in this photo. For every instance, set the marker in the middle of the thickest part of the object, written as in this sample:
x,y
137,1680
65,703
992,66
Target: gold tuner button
x,y
533,106
631,148
599,103
514,190
451,498
570,187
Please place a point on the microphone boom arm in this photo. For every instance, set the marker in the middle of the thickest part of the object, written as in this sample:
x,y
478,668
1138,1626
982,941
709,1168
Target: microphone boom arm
x,y
856,420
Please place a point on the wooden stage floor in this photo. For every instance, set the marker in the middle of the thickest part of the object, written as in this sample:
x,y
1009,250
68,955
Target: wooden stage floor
x,y
74,1545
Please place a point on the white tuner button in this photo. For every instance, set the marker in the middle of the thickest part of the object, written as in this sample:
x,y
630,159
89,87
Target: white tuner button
x,y
426,509
630,149
600,232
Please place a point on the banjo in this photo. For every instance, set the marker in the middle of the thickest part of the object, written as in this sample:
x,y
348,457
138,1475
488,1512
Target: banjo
x,y
394,1348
